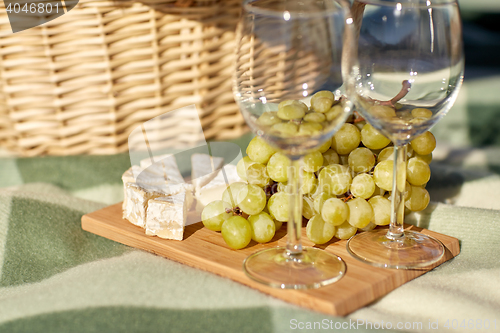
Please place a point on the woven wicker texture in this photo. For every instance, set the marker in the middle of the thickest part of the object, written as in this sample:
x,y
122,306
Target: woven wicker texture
x,y
81,83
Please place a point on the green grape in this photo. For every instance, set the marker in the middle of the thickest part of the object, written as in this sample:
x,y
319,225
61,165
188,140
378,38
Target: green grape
x,y
307,207
378,191
407,193
360,125
242,166
325,147
409,152
309,183
315,117
215,213
330,157
313,161
418,120
382,111
319,201
424,144
360,212
277,167
257,175
335,179
345,231
285,129
362,186
251,199
335,211
322,101
417,171
421,113
361,160
419,199
259,151
318,231
382,175
307,128
278,206
372,138
369,227
230,194
344,160
277,224
263,227
282,187
334,113
386,154
346,139
426,158
323,93
269,118
289,110
236,232
381,210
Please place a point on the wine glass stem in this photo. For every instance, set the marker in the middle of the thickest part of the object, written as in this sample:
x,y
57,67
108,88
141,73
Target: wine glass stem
x,y
396,229
294,225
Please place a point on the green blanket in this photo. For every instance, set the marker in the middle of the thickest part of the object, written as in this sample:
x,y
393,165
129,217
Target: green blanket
x,y
55,277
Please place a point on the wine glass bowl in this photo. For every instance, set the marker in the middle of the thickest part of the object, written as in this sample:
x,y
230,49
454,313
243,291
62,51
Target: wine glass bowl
x,y
287,51
288,84
407,75
411,58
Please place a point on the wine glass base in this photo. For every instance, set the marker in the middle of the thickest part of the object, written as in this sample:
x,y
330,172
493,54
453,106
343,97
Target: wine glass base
x,y
414,250
313,268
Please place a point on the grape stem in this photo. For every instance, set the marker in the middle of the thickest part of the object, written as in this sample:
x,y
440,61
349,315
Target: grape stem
x,y
404,91
349,197
392,102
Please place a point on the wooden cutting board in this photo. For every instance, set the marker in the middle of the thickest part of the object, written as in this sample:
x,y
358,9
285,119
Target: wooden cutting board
x,y
206,250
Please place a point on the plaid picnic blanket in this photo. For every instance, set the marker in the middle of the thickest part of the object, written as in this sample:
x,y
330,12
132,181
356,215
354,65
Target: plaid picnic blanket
x,y
55,277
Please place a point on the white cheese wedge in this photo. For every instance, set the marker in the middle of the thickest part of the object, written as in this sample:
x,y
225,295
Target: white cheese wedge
x,y
128,177
163,165
162,172
204,168
166,216
136,204
213,190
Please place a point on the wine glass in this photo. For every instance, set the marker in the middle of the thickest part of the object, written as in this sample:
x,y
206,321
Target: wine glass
x,y
407,76
287,51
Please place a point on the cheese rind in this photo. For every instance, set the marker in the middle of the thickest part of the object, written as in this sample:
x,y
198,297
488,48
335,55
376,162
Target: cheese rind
x,y
128,177
162,172
136,205
204,168
166,216
164,166
213,190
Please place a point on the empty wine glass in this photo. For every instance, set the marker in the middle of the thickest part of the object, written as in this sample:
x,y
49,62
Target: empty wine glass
x,y
288,51
407,76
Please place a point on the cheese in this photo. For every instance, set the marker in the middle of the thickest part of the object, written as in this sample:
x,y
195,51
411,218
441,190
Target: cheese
x,y
204,168
128,177
136,203
164,166
163,174
131,173
213,190
157,198
166,216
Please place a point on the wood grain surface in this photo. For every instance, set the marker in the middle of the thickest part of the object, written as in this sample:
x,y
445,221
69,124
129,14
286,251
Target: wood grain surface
x,y
206,250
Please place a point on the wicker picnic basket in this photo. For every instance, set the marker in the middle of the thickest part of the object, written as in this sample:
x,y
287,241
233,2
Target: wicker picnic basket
x,y
80,84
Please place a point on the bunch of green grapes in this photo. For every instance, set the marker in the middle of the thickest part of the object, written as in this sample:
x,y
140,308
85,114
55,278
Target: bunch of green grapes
x,y
346,183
